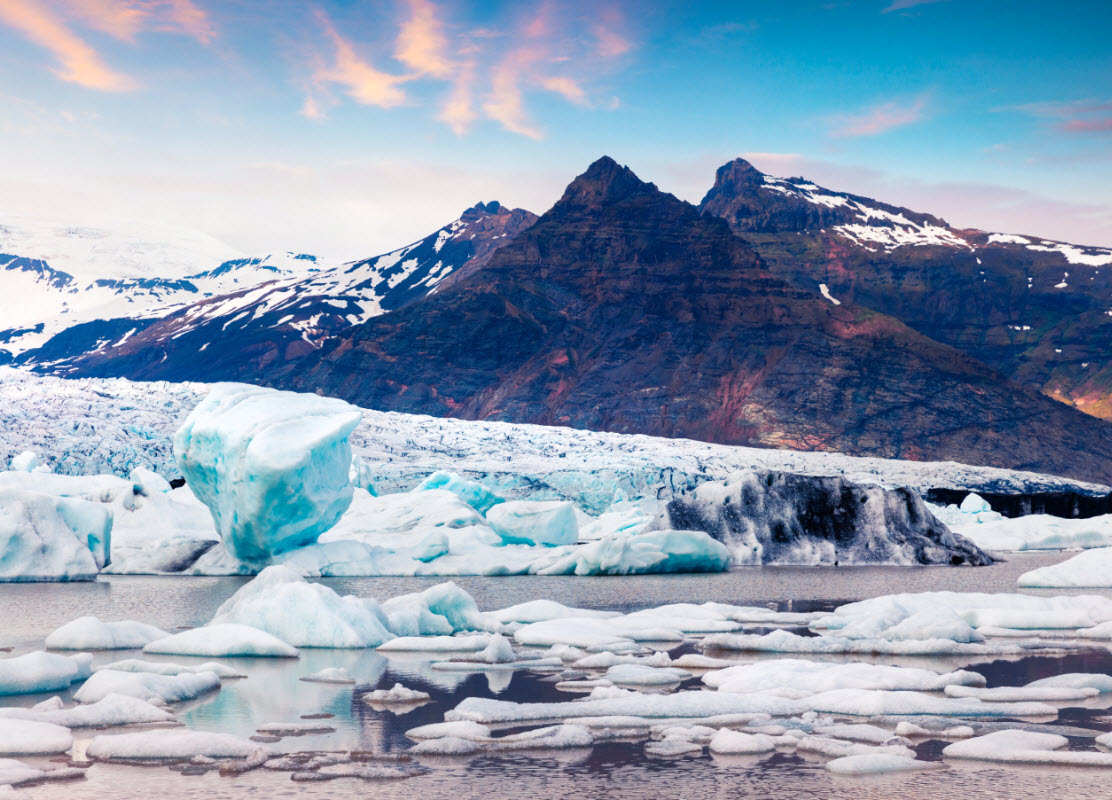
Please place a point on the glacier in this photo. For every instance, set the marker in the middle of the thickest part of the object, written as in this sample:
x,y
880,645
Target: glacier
x,y
271,466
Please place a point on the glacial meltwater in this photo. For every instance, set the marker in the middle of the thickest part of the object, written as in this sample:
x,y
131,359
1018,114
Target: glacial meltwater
x,y
273,692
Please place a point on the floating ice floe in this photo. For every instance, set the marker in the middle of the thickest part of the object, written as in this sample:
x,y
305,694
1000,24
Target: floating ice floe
x,y
632,704
16,773
337,675
110,710
162,689
304,614
223,671
89,633
1090,569
1016,694
24,737
729,742
397,694
42,672
271,466
874,763
1025,747
474,643
461,729
223,640
543,610
171,745
801,678
49,538
1040,532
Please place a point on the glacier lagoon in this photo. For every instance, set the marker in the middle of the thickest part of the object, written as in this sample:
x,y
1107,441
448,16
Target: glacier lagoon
x,y
273,692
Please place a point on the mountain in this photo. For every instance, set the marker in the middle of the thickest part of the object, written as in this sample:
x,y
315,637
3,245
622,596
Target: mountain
x,y
239,331
1038,311
75,289
624,309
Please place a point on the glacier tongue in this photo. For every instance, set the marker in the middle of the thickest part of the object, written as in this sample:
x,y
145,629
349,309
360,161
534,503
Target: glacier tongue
x,y
271,466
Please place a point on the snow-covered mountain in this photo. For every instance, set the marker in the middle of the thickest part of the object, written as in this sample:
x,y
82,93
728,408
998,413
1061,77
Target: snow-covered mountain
x,y
55,277
294,305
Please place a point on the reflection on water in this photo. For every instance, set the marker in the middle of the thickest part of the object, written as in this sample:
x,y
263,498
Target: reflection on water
x,y
273,692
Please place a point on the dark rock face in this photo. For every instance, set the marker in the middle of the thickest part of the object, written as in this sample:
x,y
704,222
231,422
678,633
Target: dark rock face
x,y
623,309
1022,309
786,518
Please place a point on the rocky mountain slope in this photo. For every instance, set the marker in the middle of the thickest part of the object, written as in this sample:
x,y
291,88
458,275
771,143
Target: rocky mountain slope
x,y
1038,311
624,309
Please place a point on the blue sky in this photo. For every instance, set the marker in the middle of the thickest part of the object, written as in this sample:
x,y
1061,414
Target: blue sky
x,y
348,128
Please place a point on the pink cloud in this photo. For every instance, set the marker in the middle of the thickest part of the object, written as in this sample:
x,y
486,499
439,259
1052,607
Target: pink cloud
x,y
125,19
1100,125
79,63
903,5
566,88
880,119
458,111
421,44
506,103
361,81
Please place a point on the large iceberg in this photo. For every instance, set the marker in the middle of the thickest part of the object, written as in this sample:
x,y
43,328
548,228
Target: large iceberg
x,y
49,538
1039,532
535,522
786,518
160,532
1089,569
271,466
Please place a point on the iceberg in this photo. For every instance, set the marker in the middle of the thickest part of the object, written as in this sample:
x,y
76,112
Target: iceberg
x,y
1089,569
50,538
222,640
473,493
89,633
160,532
42,672
441,609
398,694
535,522
282,603
160,689
22,737
271,466
642,554
1039,532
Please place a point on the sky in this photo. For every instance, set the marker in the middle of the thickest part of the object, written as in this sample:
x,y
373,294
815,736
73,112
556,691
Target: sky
x,y
349,128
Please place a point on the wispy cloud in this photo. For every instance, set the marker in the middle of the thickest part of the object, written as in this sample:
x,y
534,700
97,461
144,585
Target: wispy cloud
x,y
1071,116
903,5
421,44
359,79
505,103
880,118
125,19
78,62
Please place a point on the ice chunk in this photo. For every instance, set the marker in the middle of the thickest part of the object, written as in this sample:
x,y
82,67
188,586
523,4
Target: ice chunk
x,y
167,668
89,633
22,737
1076,680
400,521
871,703
48,538
474,494
148,482
441,609
643,675
216,641
873,763
27,461
576,631
271,466
282,603
642,554
535,522
436,644
811,677
330,675
461,729
42,672
542,610
108,711
172,744
161,689
1039,532
160,532
397,694
730,742
1092,568
785,642
1025,747
1015,694
906,728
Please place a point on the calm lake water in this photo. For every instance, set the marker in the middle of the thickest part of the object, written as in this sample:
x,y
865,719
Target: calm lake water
x,y
272,692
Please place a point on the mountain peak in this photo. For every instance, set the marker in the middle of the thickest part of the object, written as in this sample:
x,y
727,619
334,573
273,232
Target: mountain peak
x,y
605,181
737,172
480,209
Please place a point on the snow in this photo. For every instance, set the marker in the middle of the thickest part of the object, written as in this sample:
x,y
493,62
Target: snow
x,y
397,694
304,614
1007,238
869,764
49,538
22,737
825,292
1091,568
110,710
42,672
89,633
271,466
1025,747
227,639
160,689
170,744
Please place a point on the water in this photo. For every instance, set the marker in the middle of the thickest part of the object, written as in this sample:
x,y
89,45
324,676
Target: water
x,y
272,692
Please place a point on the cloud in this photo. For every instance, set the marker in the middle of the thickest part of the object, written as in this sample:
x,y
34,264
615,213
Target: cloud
x,y
458,111
903,5
1072,116
125,19
421,44
505,103
78,62
359,78
880,119
566,88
